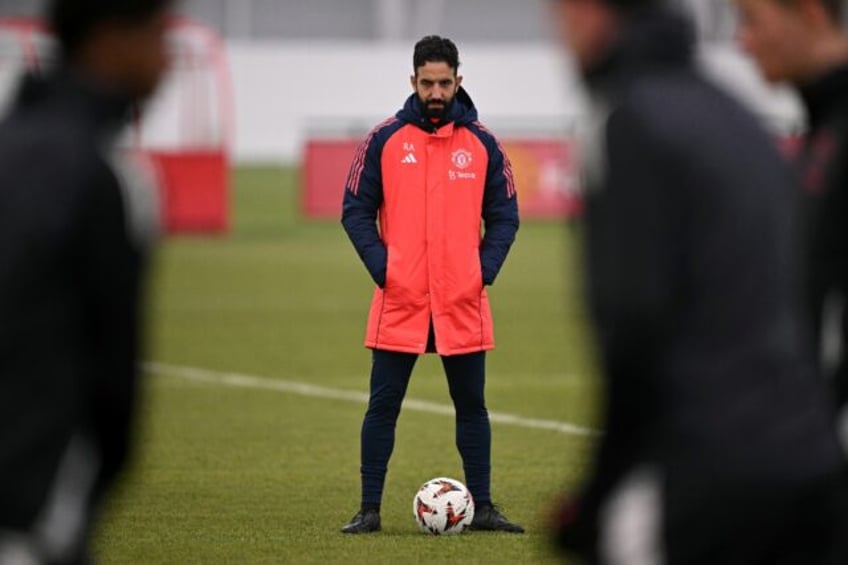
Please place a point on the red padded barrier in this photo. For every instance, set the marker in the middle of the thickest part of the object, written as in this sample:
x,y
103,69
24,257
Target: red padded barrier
x,y
195,190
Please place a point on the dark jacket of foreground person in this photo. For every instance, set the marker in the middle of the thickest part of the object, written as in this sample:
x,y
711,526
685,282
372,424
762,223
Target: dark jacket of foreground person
x,y
694,282
72,247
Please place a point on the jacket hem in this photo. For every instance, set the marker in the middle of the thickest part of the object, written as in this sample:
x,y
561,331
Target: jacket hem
x,y
421,350
395,348
464,350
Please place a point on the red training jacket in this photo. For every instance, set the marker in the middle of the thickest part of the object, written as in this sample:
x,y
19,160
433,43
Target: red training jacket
x,y
448,215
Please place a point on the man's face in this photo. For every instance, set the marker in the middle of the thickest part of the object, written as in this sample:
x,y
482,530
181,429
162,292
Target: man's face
x,y
143,50
435,84
774,35
586,27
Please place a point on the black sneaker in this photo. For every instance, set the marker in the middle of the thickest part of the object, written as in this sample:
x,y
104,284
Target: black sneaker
x,y
489,518
365,521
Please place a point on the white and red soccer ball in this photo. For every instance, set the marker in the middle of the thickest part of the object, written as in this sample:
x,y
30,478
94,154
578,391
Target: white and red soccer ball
x,y
443,506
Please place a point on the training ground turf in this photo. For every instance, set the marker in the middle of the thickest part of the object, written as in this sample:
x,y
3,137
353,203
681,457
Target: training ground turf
x,y
262,466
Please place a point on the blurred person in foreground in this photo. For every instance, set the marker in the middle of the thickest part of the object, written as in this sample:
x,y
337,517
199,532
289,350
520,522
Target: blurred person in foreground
x,y
75,227
802,43
434,176
718,443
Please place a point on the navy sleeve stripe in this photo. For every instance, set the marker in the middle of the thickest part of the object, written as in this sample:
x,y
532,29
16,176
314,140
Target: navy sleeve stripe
x,y
359,159
507,166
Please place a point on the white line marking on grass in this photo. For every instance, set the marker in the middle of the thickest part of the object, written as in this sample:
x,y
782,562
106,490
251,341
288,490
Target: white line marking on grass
x,y
238,380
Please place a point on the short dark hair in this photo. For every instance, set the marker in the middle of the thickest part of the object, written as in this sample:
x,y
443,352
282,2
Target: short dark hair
x,y
833,7
836,7
72,20
435,49
635,4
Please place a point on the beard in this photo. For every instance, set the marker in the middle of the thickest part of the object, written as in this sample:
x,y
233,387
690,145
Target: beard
x,y
436,110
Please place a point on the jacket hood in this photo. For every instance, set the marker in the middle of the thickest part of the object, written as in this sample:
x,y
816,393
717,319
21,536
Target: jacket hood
x,y
651,39
461,112
106,108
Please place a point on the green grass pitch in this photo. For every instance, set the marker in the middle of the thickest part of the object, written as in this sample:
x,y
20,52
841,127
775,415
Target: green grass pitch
x,y
234,473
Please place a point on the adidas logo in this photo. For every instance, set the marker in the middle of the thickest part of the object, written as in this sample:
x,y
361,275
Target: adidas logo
x,y
410,158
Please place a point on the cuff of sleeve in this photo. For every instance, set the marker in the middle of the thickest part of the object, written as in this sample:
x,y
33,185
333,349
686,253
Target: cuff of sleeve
x,y
380,278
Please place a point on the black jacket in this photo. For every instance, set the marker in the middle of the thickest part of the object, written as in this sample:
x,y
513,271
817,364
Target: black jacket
x,y
70,280
823,165
691,232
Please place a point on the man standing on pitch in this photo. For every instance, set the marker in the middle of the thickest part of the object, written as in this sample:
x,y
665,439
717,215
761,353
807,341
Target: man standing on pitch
x,y
75,227
802,43
432,174
718,442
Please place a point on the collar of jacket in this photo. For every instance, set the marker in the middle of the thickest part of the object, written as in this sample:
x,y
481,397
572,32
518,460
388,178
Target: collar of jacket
x,y
461,112
652,39
826,95
107,109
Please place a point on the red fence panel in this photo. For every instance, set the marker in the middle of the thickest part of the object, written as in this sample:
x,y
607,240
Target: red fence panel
x,y
196,192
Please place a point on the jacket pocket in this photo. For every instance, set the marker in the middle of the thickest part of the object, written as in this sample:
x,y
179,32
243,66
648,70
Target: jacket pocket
x,y
477,270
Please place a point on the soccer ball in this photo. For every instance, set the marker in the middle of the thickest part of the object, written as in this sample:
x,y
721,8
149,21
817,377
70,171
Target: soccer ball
x,y
443,506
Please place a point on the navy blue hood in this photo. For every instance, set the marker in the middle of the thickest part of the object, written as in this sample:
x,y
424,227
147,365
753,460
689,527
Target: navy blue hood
x,y
461,112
